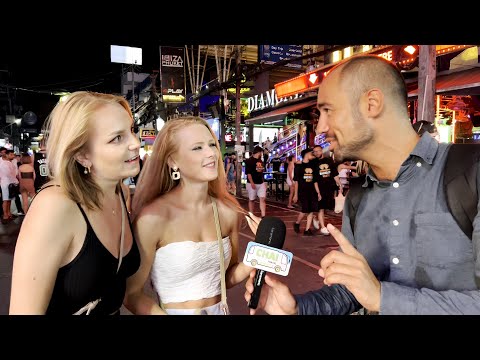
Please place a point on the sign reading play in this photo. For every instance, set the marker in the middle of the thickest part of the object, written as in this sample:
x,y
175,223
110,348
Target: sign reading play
x,y
172,69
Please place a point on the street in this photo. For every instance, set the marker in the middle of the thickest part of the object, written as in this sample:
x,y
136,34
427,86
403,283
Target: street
x,y
303,276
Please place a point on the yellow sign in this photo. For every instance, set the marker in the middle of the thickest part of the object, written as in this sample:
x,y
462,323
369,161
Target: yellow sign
x,y
173,98
148,134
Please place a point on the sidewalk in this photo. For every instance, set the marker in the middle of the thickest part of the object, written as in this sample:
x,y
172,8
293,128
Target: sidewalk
x,y
8,239
272,199
303,277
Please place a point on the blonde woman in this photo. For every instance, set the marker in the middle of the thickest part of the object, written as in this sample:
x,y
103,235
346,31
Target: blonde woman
x,y
69,247
174,224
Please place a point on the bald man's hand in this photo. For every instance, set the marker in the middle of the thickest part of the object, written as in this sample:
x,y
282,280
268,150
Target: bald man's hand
x,y
349,268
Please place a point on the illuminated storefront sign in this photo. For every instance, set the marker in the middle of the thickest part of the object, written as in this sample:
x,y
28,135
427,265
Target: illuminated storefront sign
x,y
404,56
229,138
387,55
271,54
148,134
267,100
172,70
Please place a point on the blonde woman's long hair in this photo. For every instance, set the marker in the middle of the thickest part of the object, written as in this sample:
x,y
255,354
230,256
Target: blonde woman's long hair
x,y
67,130
155,179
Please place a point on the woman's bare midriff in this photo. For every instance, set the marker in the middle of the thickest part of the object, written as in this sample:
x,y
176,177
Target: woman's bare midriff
x,y
193,304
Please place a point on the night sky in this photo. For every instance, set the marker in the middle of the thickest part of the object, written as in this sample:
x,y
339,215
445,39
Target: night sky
x,y
39,68
69,53
73,65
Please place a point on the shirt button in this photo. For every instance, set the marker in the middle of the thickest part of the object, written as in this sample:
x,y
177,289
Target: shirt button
x,y
395,185
395,260
395,222
419,164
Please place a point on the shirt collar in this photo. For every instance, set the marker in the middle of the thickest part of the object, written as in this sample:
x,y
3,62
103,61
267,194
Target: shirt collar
x,y
426,149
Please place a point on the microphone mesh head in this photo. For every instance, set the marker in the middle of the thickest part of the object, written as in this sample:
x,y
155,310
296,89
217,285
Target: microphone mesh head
x,y
271,232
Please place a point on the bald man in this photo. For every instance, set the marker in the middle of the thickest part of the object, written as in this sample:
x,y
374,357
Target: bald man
x,y
406,254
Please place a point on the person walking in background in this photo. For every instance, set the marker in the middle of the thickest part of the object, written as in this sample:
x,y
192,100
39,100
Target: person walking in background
x,y
268,144
3,151
18,202
230,171
328,182
405,253
8,175
306,190
344,174
187,225
226,159
75,249
254,169
291,184
40,166
26,176
266,156
276,162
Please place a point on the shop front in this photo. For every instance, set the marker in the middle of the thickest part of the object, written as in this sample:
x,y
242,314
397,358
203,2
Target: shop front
x,y
457,105
289,117
292,119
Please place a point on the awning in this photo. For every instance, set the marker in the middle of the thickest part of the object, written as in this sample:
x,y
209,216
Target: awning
x,y
466,82
279,114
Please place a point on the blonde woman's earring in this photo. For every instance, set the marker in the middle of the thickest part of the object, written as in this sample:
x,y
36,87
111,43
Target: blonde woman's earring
x,y
175,174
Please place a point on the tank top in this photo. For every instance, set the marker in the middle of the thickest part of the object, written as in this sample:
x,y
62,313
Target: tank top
x,y
188,270
92,274
41,170
26,175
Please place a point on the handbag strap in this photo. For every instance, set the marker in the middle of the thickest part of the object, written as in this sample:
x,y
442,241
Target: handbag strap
x,y
222,260
122,234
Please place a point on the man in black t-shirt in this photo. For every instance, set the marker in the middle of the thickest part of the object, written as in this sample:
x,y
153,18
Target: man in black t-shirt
x,y
306,190
276,162
41,169
254,168
329,183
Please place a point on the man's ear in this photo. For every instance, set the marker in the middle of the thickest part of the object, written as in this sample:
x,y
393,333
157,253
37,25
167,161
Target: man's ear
x,y
373,103
82,159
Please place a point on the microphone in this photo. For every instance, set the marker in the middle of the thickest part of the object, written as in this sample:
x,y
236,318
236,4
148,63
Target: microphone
x,y
271,232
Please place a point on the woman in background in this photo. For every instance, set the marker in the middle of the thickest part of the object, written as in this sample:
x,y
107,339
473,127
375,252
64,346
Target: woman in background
x,y
26,176
231,172
290,182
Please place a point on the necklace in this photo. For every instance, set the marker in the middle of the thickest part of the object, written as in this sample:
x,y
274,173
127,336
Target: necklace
x,y
114,211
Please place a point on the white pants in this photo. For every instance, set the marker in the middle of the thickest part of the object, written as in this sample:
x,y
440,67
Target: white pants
x,y
215,309
260,191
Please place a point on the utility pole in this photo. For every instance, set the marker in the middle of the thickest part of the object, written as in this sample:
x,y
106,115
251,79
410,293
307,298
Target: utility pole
x,y
154,99
237,120
221,119
427,72
133,92
223,74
